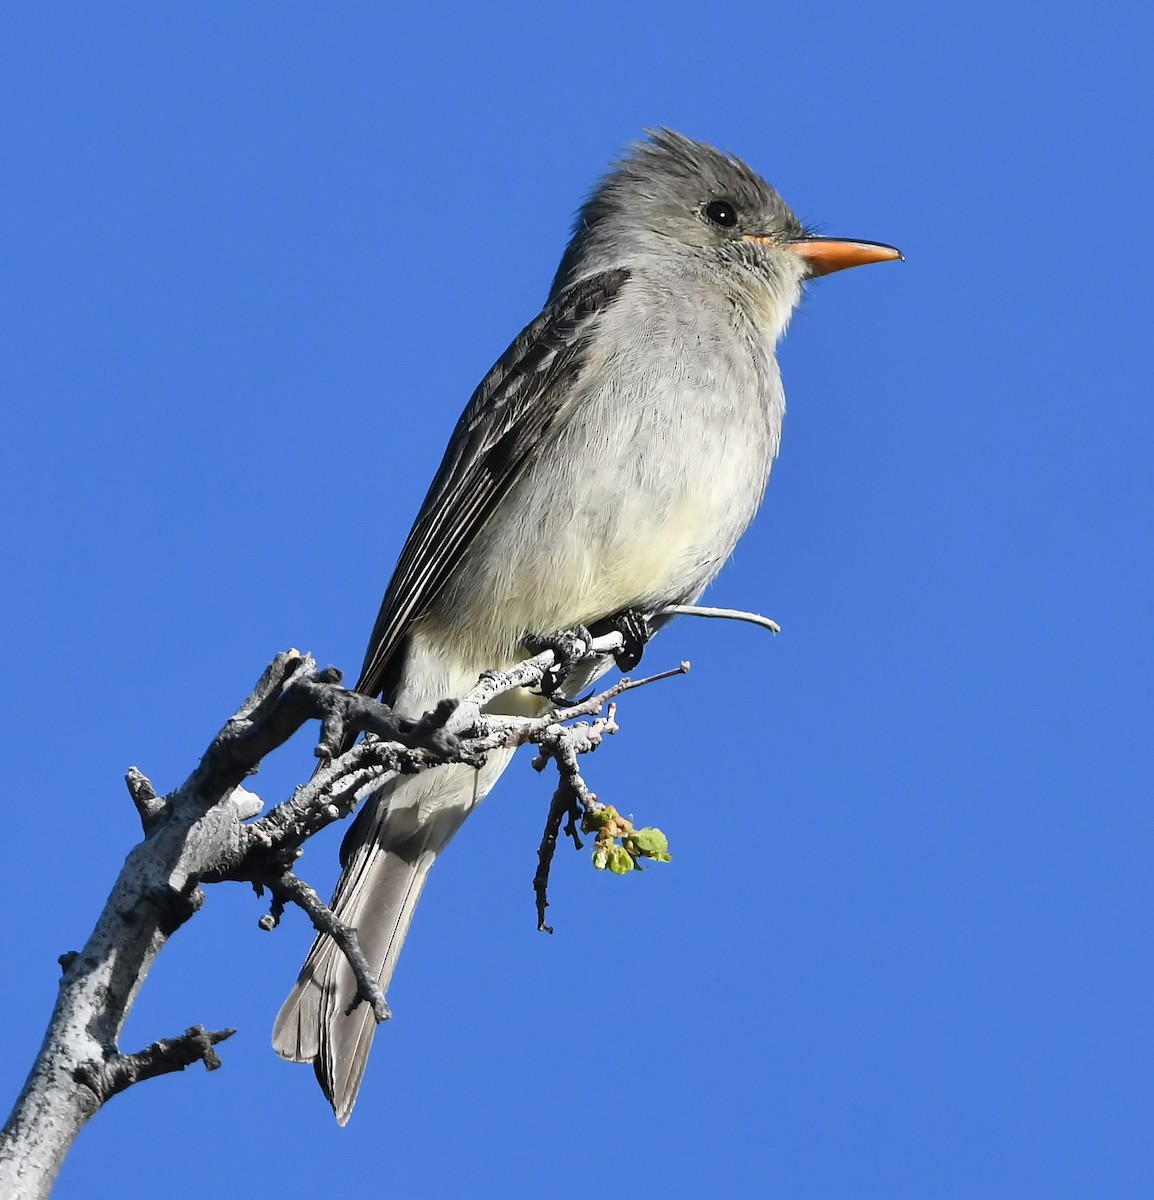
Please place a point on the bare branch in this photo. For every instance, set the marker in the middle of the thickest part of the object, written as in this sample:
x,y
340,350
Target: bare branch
x,y
723,614
163,1057
149,805
207,830
572,799
289,888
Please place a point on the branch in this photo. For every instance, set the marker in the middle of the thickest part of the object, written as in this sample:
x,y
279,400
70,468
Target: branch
x,y
573,799
204,832
196,1044
289,888
723,614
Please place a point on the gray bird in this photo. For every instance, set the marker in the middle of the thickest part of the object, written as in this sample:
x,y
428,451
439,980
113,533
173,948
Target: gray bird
x,y
606,466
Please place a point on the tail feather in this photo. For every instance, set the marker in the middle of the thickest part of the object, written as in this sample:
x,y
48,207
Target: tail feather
x,y
407,826
314,1024
387,856
347,1038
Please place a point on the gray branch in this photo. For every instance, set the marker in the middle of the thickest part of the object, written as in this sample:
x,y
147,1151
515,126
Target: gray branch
x,y
208,830
289,888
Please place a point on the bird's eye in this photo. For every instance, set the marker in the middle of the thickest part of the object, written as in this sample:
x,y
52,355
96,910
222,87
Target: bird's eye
x,y
722,212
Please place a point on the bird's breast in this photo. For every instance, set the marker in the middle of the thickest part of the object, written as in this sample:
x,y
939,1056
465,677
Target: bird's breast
x,y
637,495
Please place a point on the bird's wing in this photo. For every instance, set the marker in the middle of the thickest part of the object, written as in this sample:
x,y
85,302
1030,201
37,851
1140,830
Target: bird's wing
x,y
493,441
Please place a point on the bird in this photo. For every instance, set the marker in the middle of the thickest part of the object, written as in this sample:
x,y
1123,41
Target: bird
x,y
603,470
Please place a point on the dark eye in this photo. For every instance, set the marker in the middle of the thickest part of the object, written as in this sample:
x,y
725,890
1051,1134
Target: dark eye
x,y
722,212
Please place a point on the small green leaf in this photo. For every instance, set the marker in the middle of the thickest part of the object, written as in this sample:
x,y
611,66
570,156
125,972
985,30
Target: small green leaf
x,y
649,842
620,860
601,857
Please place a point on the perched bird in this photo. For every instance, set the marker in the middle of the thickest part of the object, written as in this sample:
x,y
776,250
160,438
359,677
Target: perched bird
x,y
605,467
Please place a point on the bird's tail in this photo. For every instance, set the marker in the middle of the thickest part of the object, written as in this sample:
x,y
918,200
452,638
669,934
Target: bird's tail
x,y
391,848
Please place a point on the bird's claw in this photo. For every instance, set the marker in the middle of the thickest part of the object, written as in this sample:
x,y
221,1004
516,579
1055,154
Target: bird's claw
x,y
633,625
569,648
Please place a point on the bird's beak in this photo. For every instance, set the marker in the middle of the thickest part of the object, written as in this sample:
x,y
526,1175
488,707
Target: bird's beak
x,y
825,255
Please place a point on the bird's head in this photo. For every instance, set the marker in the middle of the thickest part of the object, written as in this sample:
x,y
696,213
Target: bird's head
x,y
672,199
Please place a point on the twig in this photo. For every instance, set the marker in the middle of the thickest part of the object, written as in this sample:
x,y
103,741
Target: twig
x,y
563,744
725,614
558,807
290,888
162,1057
266,721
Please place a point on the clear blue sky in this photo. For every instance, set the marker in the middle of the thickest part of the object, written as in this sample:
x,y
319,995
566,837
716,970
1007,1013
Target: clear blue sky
x,y
254,259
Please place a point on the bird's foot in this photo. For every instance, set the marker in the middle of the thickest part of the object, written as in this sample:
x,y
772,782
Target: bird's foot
x,y
569,649
633,625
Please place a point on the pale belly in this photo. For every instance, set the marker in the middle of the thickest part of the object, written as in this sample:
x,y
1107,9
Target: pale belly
x,y
641,516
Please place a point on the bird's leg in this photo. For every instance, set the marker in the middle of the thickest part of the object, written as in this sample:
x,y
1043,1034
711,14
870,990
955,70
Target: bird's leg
x,y
569,648
633,625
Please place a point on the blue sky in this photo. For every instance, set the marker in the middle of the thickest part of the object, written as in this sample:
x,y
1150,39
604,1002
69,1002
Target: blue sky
x,y
255,257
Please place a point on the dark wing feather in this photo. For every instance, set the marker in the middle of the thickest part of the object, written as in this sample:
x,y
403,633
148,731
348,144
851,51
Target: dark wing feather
x,y
494,439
